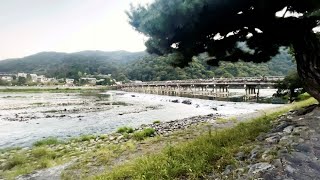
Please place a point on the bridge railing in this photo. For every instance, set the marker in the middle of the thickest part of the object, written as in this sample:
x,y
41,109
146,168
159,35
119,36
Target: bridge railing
x,y
213,80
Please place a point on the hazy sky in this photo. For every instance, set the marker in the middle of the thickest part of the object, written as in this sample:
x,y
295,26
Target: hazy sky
x,y
31,26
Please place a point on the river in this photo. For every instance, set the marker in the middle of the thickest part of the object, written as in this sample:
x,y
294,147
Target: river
x,y
28,117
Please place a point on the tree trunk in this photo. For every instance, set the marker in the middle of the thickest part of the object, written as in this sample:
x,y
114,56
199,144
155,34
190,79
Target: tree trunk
x,y
307,53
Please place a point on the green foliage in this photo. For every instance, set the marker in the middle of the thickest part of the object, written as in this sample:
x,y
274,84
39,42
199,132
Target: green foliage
x,y
188,28
86,137
40,152
4,83
47,141
303,97
160,69
21,81
291,86
125,129
15,160
140,135
156,122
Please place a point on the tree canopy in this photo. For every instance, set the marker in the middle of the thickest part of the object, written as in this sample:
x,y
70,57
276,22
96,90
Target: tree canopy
x,y
233,30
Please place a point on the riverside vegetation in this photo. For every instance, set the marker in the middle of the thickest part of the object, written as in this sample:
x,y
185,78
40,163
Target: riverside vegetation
x,y
188,152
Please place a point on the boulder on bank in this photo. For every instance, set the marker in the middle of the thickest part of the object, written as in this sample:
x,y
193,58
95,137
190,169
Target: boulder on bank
x,y
175,101
186,102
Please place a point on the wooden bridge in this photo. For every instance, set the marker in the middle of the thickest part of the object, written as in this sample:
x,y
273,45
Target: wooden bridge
x,y
211,88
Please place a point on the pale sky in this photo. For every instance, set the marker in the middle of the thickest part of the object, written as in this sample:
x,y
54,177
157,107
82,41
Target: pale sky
x,y
32,26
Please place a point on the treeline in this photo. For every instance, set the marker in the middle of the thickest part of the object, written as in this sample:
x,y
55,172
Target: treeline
x,y
160,69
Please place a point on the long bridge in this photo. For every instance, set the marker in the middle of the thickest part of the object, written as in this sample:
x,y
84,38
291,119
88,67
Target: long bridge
x,y
211,88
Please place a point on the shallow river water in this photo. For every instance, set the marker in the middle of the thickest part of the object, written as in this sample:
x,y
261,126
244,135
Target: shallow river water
x,y
28,117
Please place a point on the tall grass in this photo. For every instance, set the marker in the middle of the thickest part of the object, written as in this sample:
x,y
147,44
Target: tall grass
x,y
47,141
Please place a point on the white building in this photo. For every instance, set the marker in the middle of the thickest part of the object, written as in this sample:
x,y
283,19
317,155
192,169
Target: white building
x,y
92,81
34,77
41,78
7,78
22,75
69,81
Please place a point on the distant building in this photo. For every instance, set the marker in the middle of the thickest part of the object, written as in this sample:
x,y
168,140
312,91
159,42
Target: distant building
x,y
49,80
41,79
92,81
22,75
7,78
100,80
34,77
137,82
70,82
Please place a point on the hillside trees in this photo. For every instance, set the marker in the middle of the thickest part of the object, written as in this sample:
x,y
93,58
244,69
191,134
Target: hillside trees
x,y
233,30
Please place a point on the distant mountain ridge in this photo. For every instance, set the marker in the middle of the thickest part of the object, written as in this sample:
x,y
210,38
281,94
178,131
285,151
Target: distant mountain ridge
x,y
86,61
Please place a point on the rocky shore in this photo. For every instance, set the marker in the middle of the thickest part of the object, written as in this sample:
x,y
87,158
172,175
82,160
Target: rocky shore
x,y
165,128
291,150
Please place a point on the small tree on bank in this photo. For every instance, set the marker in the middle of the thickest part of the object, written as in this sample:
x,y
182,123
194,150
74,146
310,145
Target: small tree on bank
x,y
233,30
291,86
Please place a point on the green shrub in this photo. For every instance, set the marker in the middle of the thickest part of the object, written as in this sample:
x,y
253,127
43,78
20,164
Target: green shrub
x,y
149,132
156,122
86,137
303,96
40,152
103,136
45,163
125,130
14,161
47,141
140,135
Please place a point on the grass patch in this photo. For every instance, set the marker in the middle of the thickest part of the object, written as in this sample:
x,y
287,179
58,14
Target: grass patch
x,y
125,129
47,141
198,157
41,152
156,122
222,121
86,137
141,135
15,160
303,97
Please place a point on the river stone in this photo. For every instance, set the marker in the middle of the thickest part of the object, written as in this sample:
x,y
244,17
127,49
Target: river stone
x,y
286,140
273,139
297,130
228,169
289,169
277,163
260,167
111,138
240,156
254,153
186,102
288,129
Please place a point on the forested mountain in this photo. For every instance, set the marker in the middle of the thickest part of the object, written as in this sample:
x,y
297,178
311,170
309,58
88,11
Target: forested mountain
x,y
71,65
139,66
158,68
